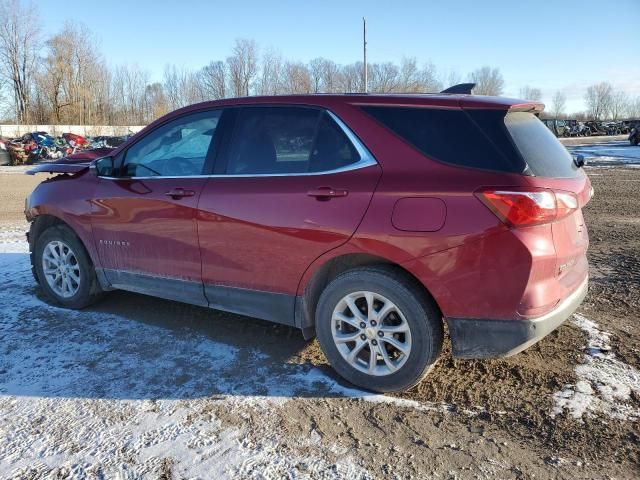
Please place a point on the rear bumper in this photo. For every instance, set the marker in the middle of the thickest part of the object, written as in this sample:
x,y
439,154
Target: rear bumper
x,y
474,338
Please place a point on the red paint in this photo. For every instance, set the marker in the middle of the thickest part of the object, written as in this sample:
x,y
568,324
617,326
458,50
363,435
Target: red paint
x,y
160,230
268,233
419,214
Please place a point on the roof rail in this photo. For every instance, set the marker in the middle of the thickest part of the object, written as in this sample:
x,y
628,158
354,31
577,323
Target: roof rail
x,y
461,88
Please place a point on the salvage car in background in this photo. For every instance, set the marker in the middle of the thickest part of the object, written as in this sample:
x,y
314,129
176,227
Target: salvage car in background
x,y
558,127
634,135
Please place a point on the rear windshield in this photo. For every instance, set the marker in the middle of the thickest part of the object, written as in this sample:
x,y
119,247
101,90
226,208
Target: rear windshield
x,y
516,142
544,154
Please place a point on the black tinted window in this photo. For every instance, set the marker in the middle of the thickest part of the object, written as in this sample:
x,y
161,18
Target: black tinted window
x,y
178,148
544,154
272,140
280,140
454,136
332,147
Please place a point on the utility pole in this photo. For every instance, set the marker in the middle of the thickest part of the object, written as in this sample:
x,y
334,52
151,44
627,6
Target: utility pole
x,y
364,32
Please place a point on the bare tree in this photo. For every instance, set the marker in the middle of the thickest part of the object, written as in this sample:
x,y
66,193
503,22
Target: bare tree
x,y
156,103
181,87
450,78
271,77
598,99
531,93
409,81
352,78
72,75
488,81
429,79
558,104
316,70
296,78
618,106
331,76
213,80
129,85
19,44
243,66
384,77
633,109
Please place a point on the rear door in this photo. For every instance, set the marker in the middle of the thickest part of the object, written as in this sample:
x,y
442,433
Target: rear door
x,y
144,220
293,183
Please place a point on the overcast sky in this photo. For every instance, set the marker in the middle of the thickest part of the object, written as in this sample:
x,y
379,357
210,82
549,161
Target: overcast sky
x,y
551,45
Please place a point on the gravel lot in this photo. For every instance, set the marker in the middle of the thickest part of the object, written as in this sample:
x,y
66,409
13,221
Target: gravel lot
x,y
144,388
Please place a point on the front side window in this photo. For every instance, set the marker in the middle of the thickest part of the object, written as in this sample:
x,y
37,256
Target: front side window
x,y
287,140
178,148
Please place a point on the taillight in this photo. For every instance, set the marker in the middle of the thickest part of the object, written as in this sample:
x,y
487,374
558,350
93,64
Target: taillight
x,y
521,208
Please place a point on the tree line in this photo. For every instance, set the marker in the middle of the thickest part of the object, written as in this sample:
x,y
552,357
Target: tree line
x,y
64,79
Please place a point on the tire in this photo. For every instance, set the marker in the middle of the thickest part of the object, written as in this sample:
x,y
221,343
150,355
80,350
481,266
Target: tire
x,y
81,293
415,312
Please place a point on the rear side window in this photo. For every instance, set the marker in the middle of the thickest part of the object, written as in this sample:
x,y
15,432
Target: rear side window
x,y
544,154
271,140
452,136
332,148
285,140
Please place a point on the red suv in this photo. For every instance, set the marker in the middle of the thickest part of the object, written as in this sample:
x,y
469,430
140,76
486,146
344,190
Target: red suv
x,y
368,220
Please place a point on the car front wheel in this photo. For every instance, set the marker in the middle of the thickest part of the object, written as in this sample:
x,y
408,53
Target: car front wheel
x,y
64,269
378,329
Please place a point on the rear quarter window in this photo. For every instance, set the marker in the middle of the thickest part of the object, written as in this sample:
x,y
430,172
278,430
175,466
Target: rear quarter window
x,y
451,136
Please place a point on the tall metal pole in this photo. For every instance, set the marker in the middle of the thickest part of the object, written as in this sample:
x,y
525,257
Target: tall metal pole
x,y
366,76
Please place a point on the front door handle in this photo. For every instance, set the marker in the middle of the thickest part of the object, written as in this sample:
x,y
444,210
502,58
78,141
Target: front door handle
x,y
326,193
177,193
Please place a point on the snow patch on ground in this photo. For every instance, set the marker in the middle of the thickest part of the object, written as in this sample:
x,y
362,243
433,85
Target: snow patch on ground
x,y
609,154
604,385
79,438
13,239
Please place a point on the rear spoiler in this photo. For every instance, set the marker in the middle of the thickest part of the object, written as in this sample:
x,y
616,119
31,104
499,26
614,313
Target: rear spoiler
x,y
532,107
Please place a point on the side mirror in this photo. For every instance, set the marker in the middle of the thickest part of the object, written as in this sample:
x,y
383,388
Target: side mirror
x,y
102,167
580,161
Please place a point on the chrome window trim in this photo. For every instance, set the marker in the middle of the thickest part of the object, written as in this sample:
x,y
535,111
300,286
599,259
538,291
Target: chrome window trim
x,y
366,160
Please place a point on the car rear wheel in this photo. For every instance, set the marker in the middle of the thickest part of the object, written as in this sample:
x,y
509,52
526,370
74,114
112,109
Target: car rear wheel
x,y
378,329
64,269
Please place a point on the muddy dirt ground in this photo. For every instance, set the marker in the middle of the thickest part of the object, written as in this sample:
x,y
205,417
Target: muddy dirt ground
x,y
292,416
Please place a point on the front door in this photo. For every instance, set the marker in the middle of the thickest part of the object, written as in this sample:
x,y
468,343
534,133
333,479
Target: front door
x,y
144,220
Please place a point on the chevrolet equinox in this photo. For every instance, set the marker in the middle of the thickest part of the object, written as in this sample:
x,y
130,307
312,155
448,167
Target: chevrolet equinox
x,y
367,220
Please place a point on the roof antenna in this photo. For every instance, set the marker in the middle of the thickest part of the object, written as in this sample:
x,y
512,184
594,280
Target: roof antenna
x,y
364,45
461,88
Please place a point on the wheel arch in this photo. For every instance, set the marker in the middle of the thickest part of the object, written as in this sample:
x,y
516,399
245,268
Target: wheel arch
x,y
307,301
44,221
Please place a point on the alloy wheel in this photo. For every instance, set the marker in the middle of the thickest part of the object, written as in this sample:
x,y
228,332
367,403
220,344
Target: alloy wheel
x,y
371,333
61,269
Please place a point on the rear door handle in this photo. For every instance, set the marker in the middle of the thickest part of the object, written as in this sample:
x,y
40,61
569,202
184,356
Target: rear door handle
x,y
177,193
326,193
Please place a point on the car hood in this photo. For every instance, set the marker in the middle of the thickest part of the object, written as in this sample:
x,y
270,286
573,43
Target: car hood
x,y
71,164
